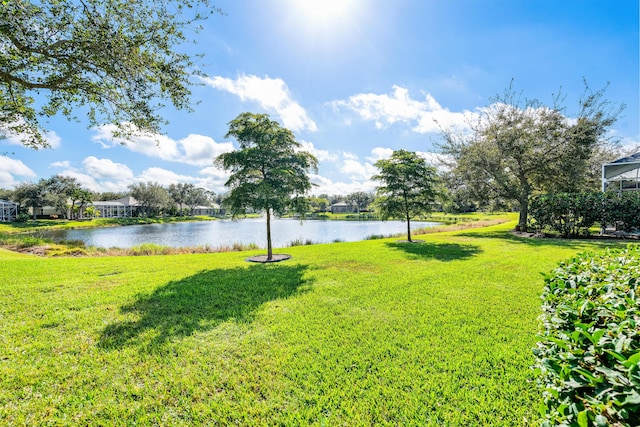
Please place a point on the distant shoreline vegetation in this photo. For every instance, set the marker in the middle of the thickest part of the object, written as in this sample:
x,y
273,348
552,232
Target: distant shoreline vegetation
x,y
25,238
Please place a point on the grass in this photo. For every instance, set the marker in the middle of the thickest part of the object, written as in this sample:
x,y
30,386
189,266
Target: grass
x,y
365,333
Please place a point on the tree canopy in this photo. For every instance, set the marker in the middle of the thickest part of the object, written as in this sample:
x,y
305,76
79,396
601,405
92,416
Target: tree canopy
x,y
409,187
269,171
519,148
151,196
118,58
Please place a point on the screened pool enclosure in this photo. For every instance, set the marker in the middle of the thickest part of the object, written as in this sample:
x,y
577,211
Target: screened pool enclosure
x,y
622,174
8,210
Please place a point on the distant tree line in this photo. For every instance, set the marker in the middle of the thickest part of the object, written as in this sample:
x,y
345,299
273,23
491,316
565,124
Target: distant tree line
x,y
71,200
515,150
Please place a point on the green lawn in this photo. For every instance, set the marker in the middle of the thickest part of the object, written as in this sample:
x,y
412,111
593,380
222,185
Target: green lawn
x,y
366,333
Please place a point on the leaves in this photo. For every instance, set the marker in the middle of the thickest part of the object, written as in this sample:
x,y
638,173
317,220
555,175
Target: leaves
x,y
517,148
572,214
408,186
117,58
269,172
589,350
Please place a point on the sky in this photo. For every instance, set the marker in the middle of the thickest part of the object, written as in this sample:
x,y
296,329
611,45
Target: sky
x,y
355,80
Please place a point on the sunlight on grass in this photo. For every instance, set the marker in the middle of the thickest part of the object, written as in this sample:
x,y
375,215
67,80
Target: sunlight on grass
x,y
376,332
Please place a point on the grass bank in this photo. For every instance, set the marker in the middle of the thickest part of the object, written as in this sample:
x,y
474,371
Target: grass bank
x,y
365,333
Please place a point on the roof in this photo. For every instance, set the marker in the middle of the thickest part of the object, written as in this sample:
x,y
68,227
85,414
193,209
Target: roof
x,y
7,202
125,201
621,167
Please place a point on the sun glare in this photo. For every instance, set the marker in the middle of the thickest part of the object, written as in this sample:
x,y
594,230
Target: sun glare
x,y
324,13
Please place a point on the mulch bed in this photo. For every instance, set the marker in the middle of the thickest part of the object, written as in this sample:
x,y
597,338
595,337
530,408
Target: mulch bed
x,y
263,258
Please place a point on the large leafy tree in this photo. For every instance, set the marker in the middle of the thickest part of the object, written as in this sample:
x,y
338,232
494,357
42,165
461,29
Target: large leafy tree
x,y
269,172
178,193
408,187
61,189
189,195
33,195
361,199
83,197
150,195
198,196
519,148
119,58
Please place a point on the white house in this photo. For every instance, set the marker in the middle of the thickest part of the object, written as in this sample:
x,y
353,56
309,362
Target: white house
x,y
622,174
121,208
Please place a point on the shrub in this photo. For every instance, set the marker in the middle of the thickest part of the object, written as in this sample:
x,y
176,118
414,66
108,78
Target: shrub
x,y
572,214
23,217
588,356
622,209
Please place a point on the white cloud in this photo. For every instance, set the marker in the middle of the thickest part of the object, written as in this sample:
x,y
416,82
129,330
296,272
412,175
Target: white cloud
x,y
12,168
324,185
349,156
271,94
107,169
98,174
355,169
197,150
426,116
63,164
163,177
89,182
380,153
321,155
15,138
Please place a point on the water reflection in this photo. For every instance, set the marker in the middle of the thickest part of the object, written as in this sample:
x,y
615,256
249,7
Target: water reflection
x,y
227,232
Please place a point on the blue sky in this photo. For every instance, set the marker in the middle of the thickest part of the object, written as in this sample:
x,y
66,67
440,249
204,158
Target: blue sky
x,y
356,79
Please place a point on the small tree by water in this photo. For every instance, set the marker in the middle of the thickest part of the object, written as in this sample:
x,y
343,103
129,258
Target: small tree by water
x,y
408,187
269,172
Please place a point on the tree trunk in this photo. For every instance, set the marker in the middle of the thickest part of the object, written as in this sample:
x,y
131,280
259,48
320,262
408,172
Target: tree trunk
x,y
524,203
269,249
408,227
524,213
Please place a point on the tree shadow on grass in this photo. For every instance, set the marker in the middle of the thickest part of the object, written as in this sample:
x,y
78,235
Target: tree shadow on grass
x,y
201,302
437,251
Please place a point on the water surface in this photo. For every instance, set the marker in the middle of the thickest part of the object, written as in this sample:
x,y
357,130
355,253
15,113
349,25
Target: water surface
x,y
227,232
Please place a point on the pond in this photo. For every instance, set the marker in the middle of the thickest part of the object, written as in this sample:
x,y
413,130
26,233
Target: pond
x,y
227,232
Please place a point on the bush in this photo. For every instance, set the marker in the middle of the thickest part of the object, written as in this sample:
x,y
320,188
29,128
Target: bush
x,y
573,214
588,356
23,217
570,214
622,209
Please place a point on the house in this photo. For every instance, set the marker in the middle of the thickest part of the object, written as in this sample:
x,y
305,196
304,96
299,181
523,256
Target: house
x,y
8,211
200,210
125,207
622,174
342,207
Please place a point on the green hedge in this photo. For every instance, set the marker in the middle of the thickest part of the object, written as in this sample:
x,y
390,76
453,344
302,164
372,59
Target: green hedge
x,y
588,356
572,214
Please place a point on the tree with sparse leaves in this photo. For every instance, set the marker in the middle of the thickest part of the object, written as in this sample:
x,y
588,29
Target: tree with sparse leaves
x,y
409,187
269,171
119,59
518,148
